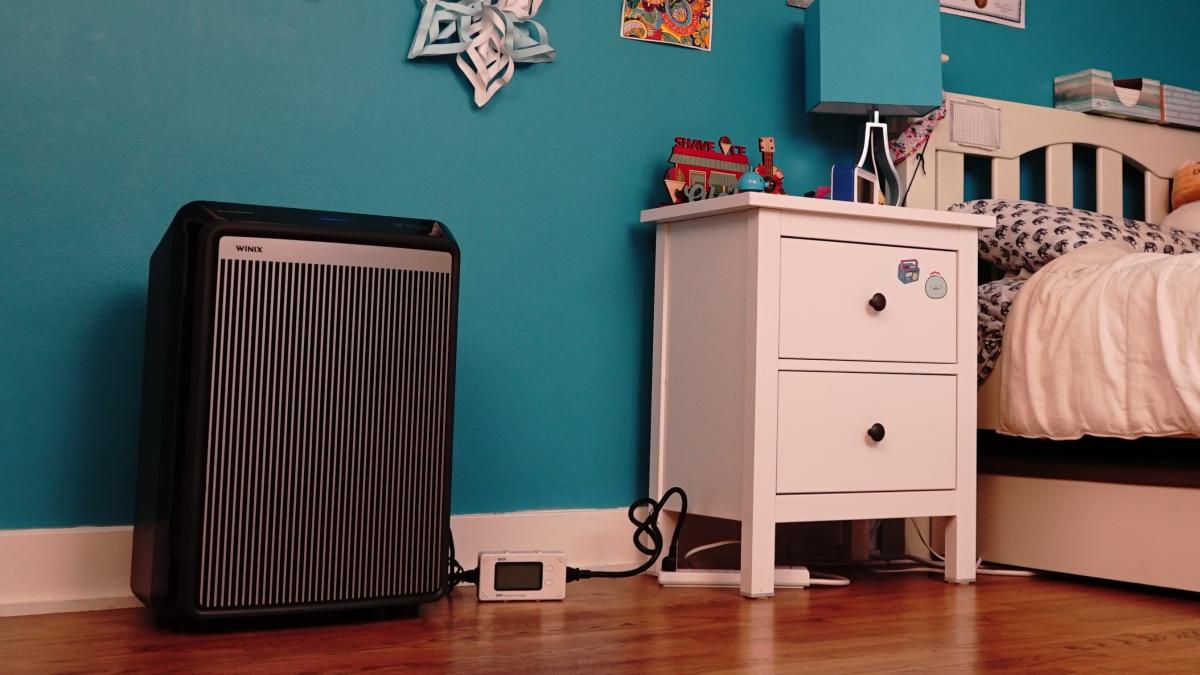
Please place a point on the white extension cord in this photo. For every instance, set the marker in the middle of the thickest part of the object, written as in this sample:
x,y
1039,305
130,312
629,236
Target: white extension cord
x,y
785,577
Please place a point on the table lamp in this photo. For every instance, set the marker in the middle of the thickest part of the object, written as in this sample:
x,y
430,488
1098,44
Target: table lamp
x,y
874,58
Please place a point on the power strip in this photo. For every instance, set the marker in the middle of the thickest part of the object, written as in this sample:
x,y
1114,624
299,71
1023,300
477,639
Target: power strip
x,y
787,577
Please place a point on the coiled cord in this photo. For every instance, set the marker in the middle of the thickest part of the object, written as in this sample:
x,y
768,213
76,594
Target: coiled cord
x,y
648,527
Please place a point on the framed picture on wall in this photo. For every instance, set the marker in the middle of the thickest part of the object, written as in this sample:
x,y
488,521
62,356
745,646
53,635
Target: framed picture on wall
x,y
1005,12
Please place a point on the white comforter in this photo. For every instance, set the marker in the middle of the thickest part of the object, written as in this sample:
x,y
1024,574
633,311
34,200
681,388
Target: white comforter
x,y
1104,342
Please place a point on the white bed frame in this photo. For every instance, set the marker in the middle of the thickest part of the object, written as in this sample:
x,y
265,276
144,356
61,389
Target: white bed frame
x,y
1135,533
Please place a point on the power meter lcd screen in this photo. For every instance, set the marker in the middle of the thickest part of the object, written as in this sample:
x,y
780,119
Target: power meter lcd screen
x,y
518,576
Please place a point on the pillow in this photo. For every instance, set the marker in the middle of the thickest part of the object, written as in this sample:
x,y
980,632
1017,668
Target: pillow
x,y
1029,234
1185,188
1185,218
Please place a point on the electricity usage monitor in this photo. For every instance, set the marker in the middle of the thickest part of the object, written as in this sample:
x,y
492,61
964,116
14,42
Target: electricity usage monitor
x,y
522,575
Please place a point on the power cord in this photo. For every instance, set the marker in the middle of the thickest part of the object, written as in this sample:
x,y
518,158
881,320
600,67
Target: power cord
x,y
708,547
648,527
919,166
457,574
938,564
822,579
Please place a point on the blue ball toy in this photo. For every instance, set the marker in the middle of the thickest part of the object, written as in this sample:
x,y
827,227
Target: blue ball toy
x,y
751,182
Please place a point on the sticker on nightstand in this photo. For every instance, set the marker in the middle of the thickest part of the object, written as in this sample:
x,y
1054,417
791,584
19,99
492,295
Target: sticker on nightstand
x,y
909,271
936,286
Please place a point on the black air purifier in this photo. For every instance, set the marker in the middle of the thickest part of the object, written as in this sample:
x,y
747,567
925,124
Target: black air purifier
x,y
296,413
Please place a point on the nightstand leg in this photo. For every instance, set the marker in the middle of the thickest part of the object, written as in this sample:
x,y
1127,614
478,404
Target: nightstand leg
x,y
758,557
761,408
960,548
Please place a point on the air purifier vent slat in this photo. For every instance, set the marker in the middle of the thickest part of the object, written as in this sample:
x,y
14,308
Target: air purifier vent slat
x,y
325,460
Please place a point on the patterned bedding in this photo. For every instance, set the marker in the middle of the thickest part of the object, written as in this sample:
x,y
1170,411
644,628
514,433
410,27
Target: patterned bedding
x,y
995,298
1028,235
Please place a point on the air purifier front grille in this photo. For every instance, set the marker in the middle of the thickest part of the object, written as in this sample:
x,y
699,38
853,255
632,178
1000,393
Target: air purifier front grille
x,y
326,454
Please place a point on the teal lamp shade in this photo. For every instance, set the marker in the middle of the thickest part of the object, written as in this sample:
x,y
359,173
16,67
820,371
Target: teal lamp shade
x,y
862,55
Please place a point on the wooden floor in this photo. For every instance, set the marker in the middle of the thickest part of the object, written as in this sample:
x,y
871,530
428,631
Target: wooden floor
x,y
906,622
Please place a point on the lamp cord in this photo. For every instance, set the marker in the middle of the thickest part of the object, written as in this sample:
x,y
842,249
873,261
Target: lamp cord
x,y
920,167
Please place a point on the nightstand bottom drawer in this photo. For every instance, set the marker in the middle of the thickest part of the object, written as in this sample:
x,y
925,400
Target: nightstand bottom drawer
x,y
865,432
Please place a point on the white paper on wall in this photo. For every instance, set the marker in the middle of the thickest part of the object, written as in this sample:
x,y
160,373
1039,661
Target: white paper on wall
x,y
488,37
1004,12
974,123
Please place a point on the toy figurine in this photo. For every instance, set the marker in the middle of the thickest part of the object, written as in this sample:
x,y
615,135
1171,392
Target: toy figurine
x,y
751,182
769,172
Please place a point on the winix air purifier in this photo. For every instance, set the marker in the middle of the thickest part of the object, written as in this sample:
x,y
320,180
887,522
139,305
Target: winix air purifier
x,y
298,393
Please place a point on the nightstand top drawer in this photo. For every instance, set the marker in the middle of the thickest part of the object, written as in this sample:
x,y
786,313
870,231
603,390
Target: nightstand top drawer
x,y
844,301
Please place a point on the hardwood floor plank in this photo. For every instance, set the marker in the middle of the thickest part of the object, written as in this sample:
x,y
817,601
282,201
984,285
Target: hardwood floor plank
x,y
879,624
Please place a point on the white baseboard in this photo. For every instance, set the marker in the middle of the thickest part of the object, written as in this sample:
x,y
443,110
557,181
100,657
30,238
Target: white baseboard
x,y
64,570
86,568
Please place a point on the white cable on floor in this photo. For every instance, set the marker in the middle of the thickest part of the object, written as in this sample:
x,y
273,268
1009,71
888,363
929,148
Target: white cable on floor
x,y
706,547
995,572
906,570
921,536
939,564
822,579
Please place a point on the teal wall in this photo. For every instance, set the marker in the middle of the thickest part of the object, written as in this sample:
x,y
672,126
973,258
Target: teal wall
x,y
1150,38
112,114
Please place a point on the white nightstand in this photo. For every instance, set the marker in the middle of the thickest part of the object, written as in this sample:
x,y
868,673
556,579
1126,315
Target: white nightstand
x,y
815,360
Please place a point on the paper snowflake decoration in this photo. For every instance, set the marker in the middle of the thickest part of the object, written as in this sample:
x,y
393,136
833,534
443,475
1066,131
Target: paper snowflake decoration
x,y
489,38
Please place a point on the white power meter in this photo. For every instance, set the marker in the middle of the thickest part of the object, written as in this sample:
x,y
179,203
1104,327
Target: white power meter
x,y
522,575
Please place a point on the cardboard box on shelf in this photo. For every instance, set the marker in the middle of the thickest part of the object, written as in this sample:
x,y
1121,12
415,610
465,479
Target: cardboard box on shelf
x,y
1181,107
1095,91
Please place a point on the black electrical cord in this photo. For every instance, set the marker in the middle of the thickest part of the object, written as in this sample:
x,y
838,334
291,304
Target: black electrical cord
x,y
919,162
457,573
649,527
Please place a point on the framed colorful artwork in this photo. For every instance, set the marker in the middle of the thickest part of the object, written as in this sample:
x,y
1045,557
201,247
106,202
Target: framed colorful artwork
x,y
684,23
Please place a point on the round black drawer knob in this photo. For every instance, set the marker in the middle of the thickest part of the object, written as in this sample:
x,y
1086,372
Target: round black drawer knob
x,y
876,432
877,302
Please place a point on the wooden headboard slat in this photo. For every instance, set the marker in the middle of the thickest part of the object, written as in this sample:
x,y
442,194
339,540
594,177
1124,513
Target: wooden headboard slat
x,y
1006,178
1158,197
1110,186
1060,174
949,179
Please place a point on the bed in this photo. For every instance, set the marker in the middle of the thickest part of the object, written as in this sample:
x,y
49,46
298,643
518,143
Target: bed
x,y
1099,507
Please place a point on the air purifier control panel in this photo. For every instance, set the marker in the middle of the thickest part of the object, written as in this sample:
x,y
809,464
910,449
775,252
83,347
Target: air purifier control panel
x,y
522,575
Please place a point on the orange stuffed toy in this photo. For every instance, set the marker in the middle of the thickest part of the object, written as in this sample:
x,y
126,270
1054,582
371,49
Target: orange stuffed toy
x,y
1186,187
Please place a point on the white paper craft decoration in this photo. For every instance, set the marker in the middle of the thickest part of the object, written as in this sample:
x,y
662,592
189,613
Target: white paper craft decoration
x,y
489,37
